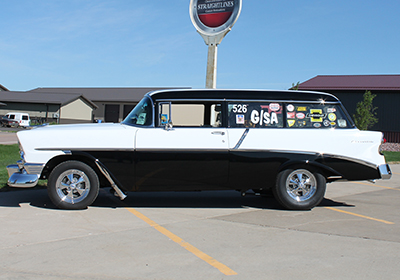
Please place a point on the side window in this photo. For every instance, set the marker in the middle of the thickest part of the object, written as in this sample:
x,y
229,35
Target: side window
x,y
255,114
316,116
25,117
185,114
12,117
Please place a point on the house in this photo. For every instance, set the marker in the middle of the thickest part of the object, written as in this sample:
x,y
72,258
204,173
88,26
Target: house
x,y
2,88
350,89
113,104
43,107
74,105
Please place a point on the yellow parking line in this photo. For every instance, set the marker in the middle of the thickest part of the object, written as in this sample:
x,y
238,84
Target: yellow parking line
x,y
396,173
211,261
374,185
361,216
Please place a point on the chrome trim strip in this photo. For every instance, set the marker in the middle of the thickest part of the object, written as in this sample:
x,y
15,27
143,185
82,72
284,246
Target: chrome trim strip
x,y
241,139
355,160
279,151
359,161
118,191
69,151
180,150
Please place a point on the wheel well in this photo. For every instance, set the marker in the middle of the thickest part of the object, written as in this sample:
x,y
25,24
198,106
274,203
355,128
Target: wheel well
x,y
51,164
311,166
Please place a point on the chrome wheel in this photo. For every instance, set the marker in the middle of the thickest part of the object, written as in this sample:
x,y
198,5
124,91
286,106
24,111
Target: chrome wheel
x,y
301,185
72,186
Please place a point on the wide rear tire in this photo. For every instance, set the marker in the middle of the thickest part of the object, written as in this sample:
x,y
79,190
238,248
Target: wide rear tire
x,y
299,189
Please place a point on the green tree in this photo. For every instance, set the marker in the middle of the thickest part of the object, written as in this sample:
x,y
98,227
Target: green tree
x,y
365,116
295,86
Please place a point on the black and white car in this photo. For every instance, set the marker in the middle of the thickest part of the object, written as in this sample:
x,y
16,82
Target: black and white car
x,y
289,142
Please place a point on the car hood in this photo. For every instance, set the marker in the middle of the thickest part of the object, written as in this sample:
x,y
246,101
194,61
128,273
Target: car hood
x,y
78,137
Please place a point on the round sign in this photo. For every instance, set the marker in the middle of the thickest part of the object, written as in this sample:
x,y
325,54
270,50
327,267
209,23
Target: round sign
x,y
214,16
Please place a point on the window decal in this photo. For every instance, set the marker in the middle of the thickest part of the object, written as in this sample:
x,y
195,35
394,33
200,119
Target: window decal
x,y
255,114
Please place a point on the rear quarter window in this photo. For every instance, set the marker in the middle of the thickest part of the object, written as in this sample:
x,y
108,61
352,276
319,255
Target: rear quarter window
x,y
316,116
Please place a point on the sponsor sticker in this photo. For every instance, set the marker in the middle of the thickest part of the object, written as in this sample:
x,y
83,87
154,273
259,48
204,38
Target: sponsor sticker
x,y
301,123
274,107
300,116
332,117
326,123
333,123
301,109
290,108
291,115
164,118
316,115
291,122
331,110
317,125
240,119
342,123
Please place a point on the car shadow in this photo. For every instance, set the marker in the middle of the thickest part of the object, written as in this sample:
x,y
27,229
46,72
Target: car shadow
x,y
38,197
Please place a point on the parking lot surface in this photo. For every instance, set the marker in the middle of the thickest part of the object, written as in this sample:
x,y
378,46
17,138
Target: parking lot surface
x,y
353,234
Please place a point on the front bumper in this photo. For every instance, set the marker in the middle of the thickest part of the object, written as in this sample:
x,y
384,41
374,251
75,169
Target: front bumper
x,y
24,175
385,171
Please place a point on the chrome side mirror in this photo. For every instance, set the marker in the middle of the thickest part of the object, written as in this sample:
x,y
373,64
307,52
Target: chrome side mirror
x,y
168,126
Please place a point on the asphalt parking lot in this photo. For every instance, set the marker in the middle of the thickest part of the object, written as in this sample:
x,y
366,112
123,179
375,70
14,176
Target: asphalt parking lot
x,y
353,234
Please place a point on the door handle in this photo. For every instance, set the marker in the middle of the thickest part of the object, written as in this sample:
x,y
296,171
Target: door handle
x,y
218,133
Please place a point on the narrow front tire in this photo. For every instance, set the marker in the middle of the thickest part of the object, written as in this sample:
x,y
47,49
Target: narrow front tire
x,y
73,185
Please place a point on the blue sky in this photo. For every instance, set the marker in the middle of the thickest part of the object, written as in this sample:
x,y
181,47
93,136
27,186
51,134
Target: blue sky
x,y
131,43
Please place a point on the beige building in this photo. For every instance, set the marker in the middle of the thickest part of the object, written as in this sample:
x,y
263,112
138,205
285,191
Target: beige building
x,y
113,104
44,108
73,105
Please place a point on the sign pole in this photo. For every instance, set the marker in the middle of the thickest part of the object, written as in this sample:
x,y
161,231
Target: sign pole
x,y
211,79
213,19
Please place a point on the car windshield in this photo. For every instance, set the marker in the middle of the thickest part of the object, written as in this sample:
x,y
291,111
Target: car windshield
x,y
141,115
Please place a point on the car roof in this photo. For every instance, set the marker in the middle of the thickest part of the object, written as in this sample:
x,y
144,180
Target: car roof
x,y
241,94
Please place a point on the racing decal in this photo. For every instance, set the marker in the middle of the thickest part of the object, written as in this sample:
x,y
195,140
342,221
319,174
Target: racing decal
x,y
255,114
291,115
331,110
240,119
274,107
317,125
291,122
290,108
262,117
316,115
301,123
326,123
302,109
164,119
332,117
300,116
342,123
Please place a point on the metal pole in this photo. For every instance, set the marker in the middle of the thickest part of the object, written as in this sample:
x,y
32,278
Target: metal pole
x,y
211,80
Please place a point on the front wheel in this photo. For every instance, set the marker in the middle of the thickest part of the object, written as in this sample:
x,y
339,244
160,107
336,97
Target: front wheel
x,y
73,185
299,189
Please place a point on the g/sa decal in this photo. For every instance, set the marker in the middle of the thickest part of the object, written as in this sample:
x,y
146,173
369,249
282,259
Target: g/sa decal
x,y
263,117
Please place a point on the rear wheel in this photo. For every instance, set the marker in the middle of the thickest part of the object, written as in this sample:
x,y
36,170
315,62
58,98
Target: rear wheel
x,y
73,185
299,189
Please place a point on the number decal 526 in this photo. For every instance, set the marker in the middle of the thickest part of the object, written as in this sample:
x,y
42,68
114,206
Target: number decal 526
x,y
239,108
